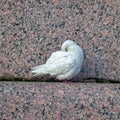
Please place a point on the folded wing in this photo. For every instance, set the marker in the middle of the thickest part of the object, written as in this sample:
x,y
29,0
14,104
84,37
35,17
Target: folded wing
x,y
60,63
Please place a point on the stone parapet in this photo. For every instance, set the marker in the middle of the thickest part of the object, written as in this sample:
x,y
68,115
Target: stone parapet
x,y
59,101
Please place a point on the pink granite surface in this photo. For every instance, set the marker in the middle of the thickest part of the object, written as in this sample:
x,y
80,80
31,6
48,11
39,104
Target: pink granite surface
x,y
30,30
59,101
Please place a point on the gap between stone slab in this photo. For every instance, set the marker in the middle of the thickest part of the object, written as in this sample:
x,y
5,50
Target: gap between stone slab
x,y
85,80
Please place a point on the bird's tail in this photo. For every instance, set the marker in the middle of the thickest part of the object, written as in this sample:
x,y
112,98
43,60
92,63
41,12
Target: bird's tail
x,y
39,70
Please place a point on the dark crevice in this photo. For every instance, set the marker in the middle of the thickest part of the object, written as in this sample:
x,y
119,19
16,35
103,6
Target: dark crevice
x,y
85,80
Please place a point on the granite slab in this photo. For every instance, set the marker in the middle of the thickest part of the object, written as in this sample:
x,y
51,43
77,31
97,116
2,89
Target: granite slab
x,y
30,30
59,101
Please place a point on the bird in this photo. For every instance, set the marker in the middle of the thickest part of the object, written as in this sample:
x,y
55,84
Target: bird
x,y
63,64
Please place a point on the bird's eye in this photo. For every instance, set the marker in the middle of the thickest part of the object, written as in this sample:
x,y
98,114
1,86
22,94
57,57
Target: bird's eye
x,y
66,49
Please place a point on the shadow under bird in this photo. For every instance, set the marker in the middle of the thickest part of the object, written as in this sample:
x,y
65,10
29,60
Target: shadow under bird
x,y
64,64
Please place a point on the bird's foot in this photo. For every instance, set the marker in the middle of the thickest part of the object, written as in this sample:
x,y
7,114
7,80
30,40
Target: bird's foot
x,y
67,82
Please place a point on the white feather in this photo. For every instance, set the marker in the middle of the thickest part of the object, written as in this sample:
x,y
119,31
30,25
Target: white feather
x,y
64,64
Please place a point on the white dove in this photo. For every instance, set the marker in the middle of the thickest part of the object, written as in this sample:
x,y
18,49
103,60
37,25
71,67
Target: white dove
x,y
64,64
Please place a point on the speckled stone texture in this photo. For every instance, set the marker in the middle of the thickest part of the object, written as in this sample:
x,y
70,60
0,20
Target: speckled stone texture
x,y
30,30
59,101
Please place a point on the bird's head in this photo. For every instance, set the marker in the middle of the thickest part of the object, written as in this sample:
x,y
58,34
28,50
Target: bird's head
x,y
67,44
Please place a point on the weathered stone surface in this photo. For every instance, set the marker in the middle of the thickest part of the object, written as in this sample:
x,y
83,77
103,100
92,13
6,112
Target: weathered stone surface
x,y
30,30
59,101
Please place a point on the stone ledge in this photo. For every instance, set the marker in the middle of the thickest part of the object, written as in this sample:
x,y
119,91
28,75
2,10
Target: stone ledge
x,y
59,101
31,30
